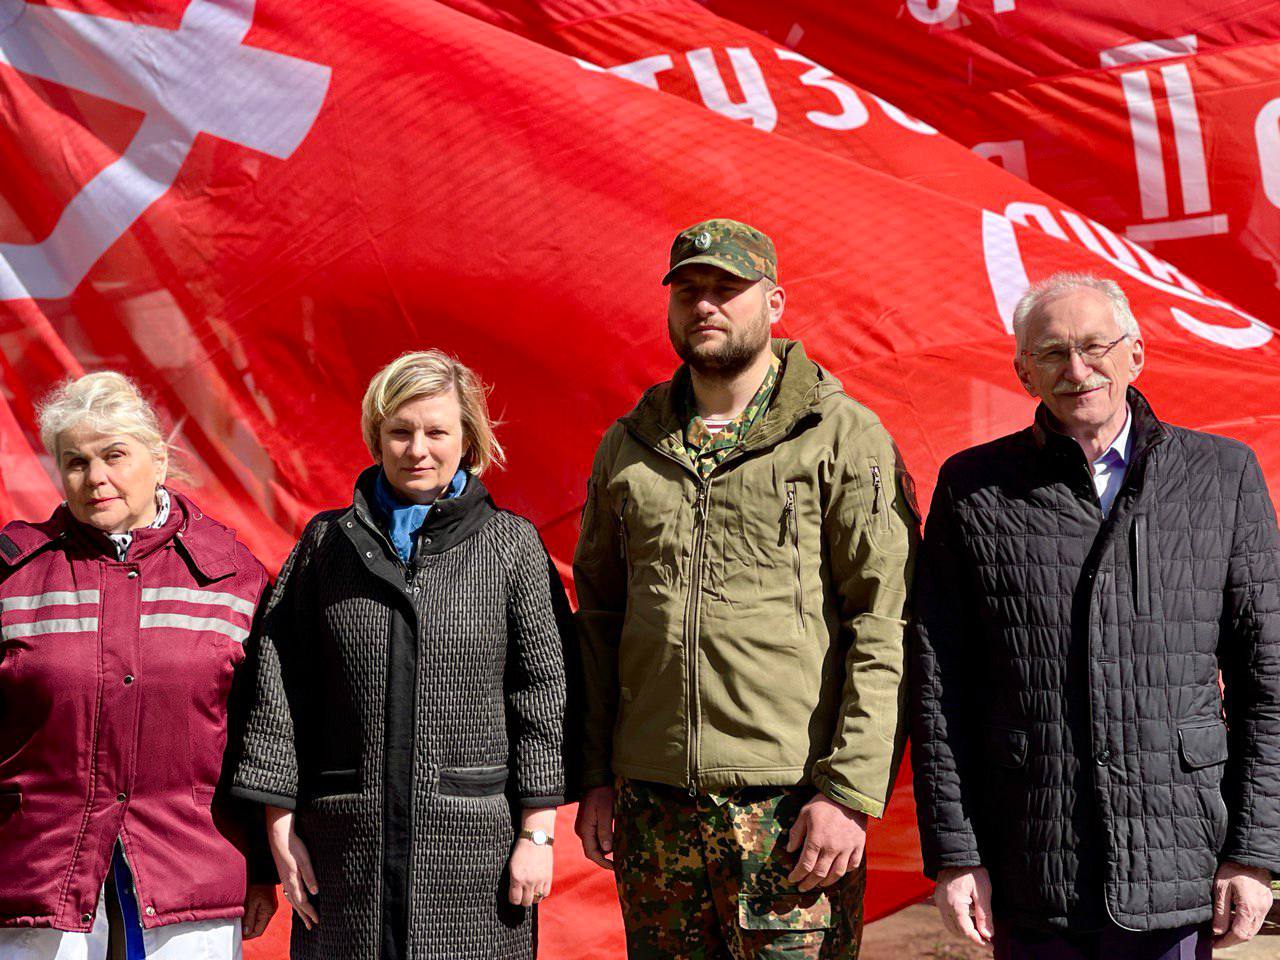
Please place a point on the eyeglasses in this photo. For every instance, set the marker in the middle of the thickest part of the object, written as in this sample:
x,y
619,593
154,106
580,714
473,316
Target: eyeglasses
x,y
1091,352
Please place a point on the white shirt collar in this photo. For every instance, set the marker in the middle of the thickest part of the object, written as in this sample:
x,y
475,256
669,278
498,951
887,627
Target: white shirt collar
x,y
1119,450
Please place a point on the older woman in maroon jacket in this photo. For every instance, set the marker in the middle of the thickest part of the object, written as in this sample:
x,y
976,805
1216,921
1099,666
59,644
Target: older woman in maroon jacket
x,y
123,619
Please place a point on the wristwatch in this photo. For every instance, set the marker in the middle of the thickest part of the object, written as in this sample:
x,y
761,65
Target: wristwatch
x,y
540,838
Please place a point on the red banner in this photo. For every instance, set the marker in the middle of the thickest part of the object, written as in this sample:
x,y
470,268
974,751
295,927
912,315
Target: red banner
x,y
250,208
1161,120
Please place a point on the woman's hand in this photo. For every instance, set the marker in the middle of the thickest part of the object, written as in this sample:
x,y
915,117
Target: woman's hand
x,y
530,869
259,908
293,863
532,864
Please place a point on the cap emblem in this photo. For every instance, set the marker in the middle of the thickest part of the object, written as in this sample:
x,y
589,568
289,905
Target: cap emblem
x,y
702,240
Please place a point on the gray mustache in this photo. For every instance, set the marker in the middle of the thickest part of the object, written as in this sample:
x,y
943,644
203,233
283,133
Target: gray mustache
x,y
1095,381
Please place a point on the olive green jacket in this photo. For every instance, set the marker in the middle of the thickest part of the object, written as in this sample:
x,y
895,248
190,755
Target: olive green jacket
x,y
748,630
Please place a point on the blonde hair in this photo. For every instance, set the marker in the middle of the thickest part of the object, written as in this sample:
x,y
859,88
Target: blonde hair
x,y
429,373
109,402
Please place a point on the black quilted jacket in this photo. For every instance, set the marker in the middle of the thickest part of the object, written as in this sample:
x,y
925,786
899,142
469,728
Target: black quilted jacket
x,y
406,714
1070,734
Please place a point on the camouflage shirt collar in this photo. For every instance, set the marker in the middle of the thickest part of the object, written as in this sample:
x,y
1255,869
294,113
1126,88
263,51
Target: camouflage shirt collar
x,y
701,443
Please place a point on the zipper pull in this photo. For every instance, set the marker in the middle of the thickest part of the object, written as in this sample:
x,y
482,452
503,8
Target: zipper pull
x,y
875,484
784,528
702,501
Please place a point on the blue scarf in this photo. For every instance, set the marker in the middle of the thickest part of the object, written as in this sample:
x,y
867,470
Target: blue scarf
x,y
404,520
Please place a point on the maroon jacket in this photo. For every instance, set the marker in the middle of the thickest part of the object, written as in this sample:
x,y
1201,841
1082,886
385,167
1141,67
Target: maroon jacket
x,y
114,685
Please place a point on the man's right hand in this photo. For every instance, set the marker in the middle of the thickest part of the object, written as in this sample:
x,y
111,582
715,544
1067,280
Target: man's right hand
x,y
594,825
963,896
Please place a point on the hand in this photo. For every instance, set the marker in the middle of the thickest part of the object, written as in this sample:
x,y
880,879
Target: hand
x,y
293,863
594,825
1241,901
959,890
530,869
259,908
832,840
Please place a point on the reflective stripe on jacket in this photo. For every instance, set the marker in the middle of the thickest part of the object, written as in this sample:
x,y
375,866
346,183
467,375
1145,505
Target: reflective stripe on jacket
x,y
114,685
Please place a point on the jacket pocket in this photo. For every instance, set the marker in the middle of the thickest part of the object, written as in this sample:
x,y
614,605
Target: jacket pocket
x,y
1141,551
1006,747
791,533
879,501
473,781
790,911
1203,744
332,783
624,548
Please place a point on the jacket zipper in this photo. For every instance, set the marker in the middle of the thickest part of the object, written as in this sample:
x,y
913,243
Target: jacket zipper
x,y
794,525
1142,586
623,546
693,601
409,572
693,606
876,489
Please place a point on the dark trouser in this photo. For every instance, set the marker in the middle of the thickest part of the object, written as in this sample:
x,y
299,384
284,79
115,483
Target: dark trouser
x,y
1112,943
705,878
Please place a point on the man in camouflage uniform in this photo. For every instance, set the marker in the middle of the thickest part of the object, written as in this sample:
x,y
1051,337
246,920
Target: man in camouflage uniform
x,y
742,573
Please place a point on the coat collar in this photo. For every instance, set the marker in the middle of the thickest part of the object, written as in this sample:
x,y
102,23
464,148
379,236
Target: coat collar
x,y
208,545
1146,430
802,385
448,523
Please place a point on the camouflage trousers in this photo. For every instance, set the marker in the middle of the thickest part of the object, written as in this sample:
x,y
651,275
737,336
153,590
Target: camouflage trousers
x,y
705,878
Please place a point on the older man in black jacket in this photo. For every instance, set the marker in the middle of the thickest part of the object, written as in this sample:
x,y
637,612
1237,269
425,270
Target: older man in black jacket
x,y
1084,788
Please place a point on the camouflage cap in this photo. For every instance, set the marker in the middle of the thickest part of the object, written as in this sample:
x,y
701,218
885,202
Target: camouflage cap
x,y
732,246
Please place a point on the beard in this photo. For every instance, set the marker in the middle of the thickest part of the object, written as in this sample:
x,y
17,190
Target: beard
x,y
739,350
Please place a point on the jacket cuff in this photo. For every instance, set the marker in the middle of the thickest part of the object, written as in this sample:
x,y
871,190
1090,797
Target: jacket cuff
x,y
261,796
597,777
538,803
847,797
952,861
1250,860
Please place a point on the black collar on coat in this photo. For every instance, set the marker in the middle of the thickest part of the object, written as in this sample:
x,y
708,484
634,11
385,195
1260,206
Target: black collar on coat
x,y
448,523
1146,430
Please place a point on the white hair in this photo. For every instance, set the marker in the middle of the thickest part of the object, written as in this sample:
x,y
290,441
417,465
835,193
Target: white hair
x,y
1043,293
110,403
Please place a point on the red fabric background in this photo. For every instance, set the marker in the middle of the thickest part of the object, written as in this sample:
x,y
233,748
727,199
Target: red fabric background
x,y
467,185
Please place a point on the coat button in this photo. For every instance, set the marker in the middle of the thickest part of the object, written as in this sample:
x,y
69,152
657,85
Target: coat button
x,y
128,679
368,554
132,574
426,539
1104,758
86,917
150,911
121,797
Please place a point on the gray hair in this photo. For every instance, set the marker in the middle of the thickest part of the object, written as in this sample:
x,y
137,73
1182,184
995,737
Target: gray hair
x,y
109,402
1050,289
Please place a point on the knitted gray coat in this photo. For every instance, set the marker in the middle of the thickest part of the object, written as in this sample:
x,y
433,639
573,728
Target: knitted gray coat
x,y
406,712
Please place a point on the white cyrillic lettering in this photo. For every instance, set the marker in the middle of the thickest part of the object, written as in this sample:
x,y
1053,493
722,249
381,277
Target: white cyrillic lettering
x,y
853,113
1237,338
757,104
1266,130
1012,155
644,72
932,11
904,119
